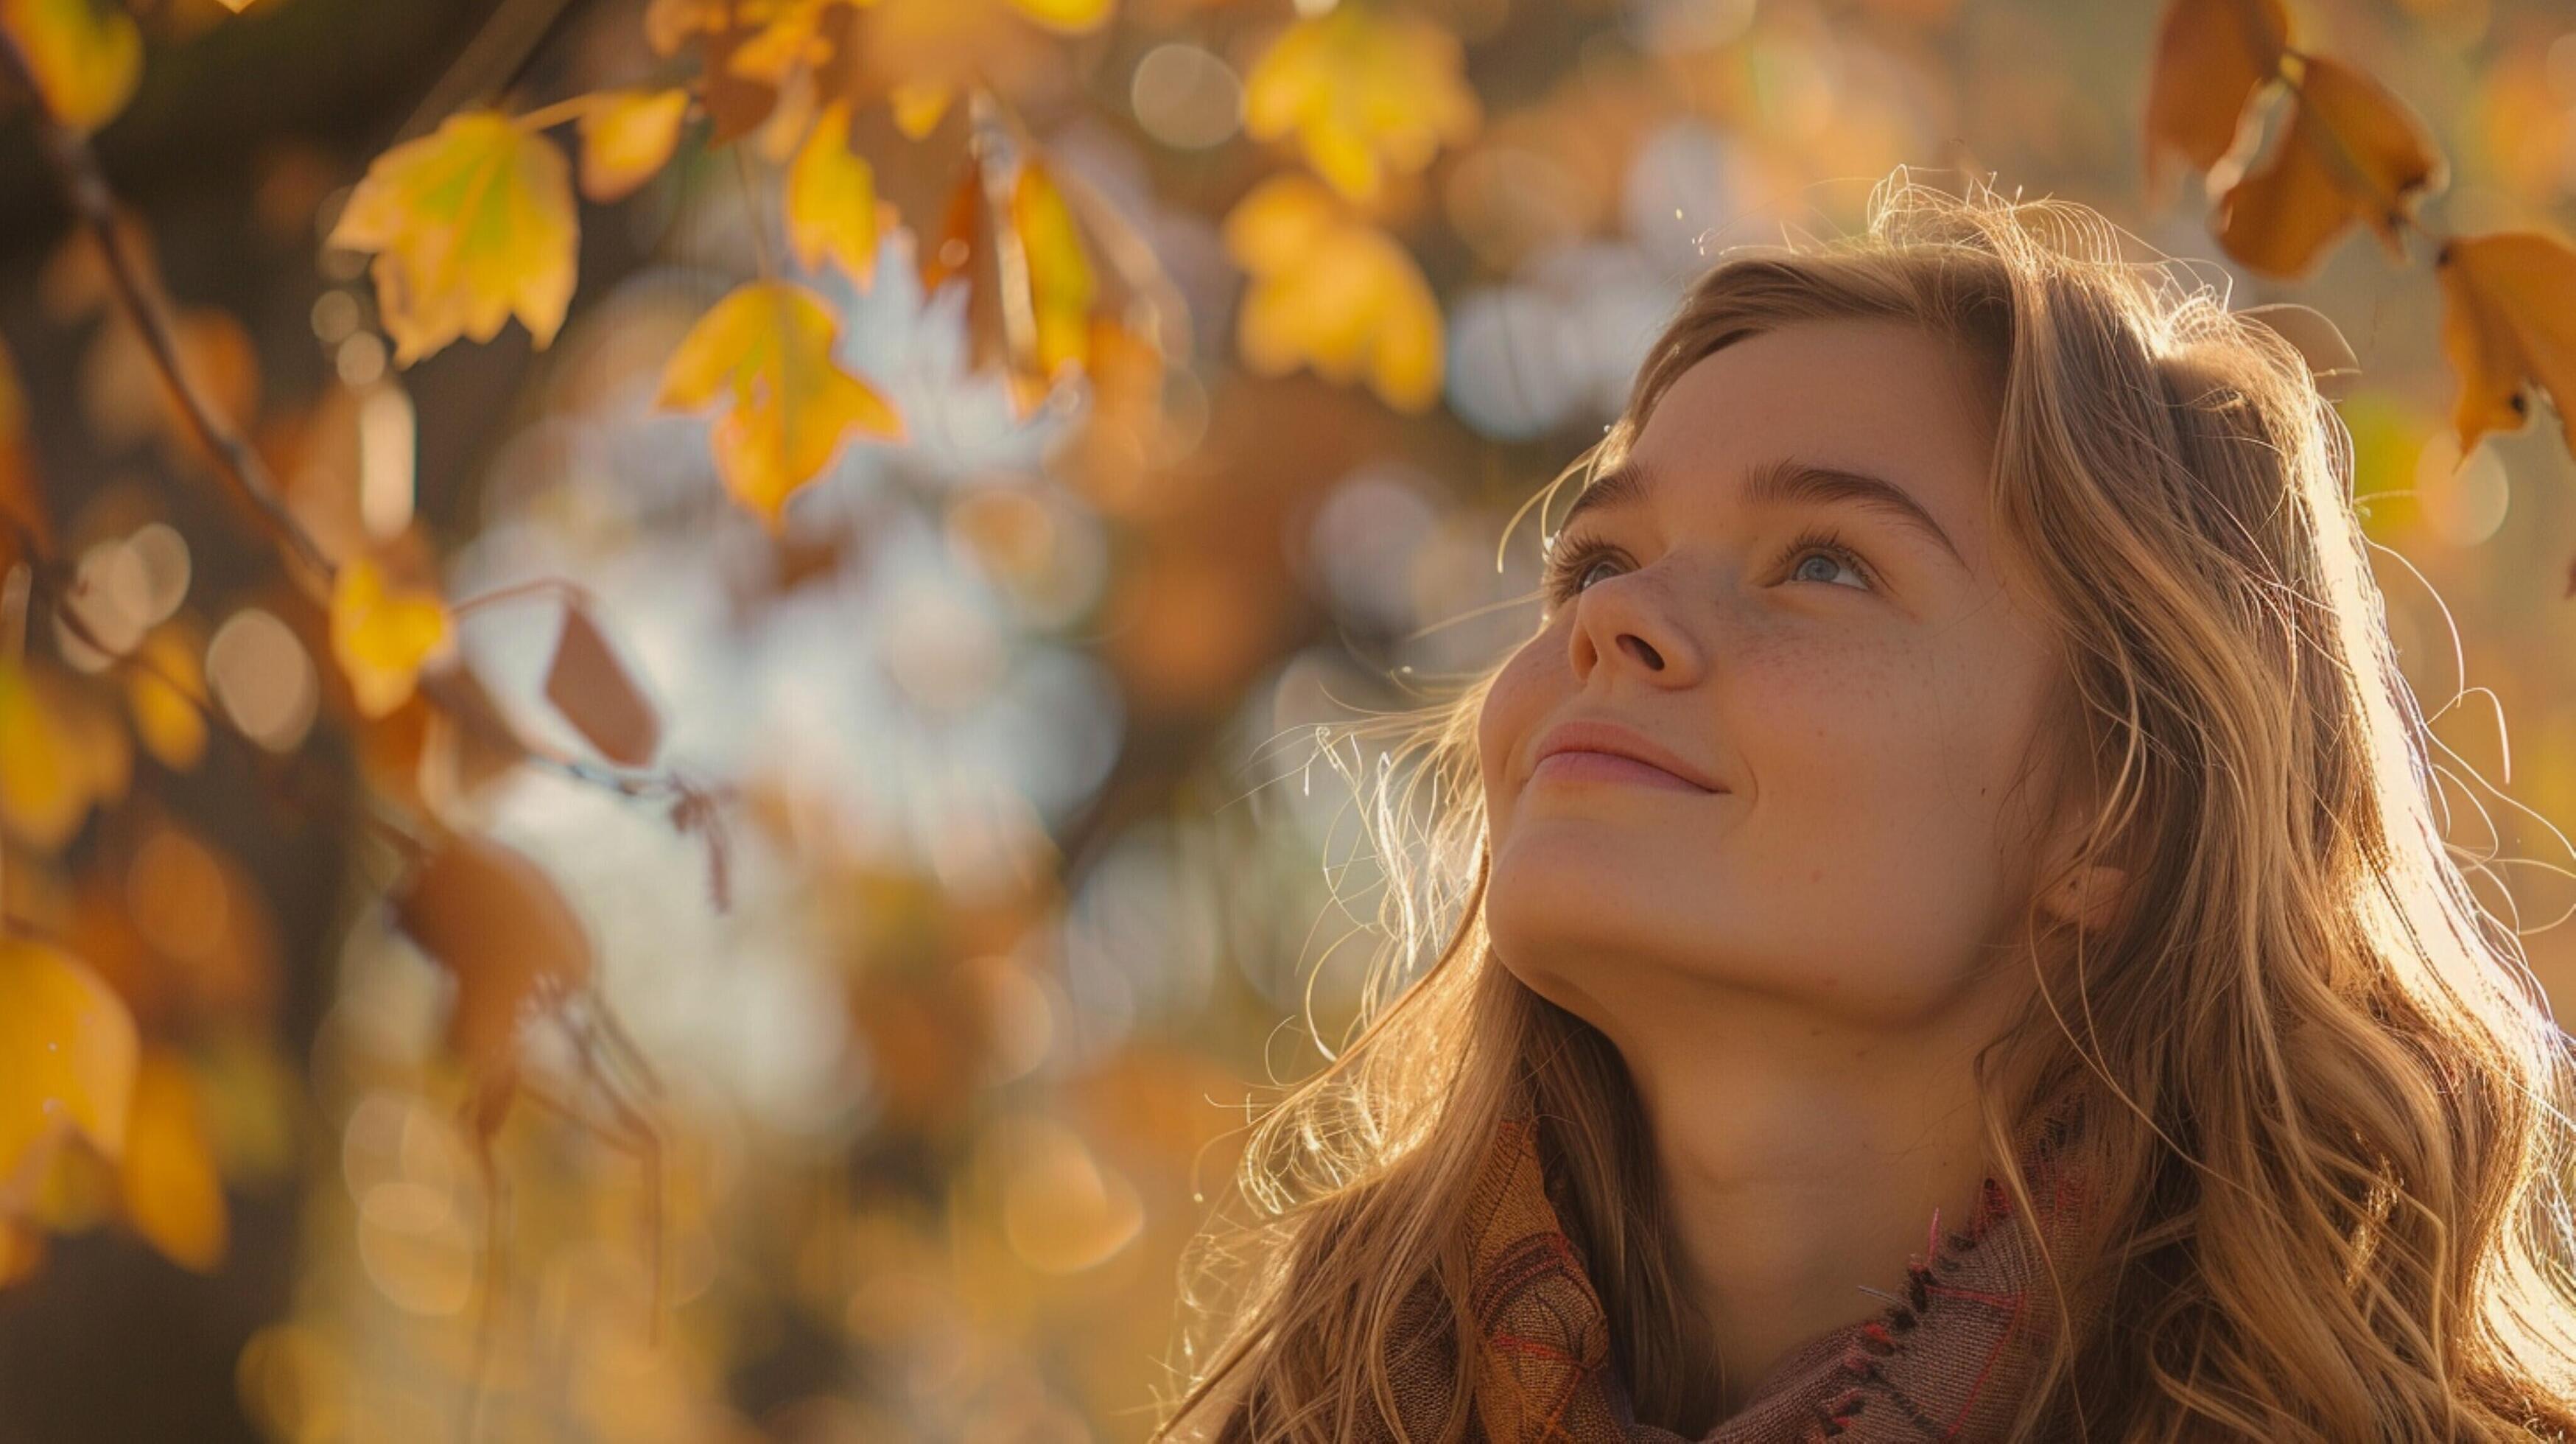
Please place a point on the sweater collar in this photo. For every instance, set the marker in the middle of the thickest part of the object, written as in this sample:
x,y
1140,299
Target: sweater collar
x,y
1948,1358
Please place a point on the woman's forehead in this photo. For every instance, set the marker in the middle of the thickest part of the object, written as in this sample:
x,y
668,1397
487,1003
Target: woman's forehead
x,y
1858,383
1877,413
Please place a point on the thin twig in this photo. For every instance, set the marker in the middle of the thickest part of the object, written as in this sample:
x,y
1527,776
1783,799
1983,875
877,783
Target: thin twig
x,y
547,116
85,187
498,56
573,593
762,259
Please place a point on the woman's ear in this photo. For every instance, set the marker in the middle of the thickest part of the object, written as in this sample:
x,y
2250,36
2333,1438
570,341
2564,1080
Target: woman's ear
x,y
2089,897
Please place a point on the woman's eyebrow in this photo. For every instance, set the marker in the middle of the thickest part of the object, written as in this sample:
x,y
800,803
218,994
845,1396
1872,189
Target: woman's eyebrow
x,y
1781,482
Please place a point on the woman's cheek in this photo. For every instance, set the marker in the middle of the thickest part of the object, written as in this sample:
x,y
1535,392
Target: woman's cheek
x,y
1514,705
1817,710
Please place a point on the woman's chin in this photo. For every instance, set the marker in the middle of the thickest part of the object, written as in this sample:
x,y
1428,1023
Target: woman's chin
x,y
1550,849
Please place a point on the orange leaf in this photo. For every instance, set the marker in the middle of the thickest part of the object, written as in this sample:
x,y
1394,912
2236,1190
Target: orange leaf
x,y
383,637
470,224
960,226
1365,90
173,1195
2211,56
67,1059
1031,290
2351,150
767,349
627,138
491,917
832,206
84,57
596,694
2509,330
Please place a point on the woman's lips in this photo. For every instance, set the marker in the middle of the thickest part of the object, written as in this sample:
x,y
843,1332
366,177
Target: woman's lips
x,y
1580,766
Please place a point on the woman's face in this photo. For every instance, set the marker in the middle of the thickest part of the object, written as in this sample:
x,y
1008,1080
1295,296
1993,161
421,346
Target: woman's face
x,y
1799,602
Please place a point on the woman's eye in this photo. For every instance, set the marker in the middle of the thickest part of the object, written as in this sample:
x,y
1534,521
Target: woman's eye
x,y
1825,546
1819,566
1575,569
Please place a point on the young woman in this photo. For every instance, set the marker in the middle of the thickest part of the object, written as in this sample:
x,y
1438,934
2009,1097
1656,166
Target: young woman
x,y
1940,934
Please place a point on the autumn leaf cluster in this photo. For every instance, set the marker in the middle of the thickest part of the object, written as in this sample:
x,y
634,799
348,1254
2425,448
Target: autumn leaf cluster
x,y
2345,151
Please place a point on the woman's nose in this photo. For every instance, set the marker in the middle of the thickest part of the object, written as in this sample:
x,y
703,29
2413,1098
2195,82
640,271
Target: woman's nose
x,y
1625,620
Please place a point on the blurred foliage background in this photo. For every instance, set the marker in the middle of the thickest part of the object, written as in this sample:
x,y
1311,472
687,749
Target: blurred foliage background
x,y
1029,871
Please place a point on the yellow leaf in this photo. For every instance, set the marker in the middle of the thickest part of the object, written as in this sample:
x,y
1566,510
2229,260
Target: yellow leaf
x,y
917,108
67,1058
767,350
2351,151
383,637
167,694
1068,15
1347,301
2211,56
84,57
1364,90
2509,329
1278,223
627,138
1062,287
832,201
173,1195
45,772
470,224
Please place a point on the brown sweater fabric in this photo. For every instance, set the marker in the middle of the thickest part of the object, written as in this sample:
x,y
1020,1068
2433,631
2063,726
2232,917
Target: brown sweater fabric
x,y
1948,1358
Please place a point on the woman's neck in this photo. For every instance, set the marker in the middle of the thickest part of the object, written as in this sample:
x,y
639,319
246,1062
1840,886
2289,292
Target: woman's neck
x,y
1802,1161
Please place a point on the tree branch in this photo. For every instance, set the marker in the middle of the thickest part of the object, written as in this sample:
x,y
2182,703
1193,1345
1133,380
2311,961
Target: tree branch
x,y
94,205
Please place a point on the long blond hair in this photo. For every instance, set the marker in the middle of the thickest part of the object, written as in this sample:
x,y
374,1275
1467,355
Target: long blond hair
x,y
2323,1100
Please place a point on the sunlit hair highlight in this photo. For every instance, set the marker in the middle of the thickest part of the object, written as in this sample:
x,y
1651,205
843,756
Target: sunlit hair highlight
x,y
2322,1103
